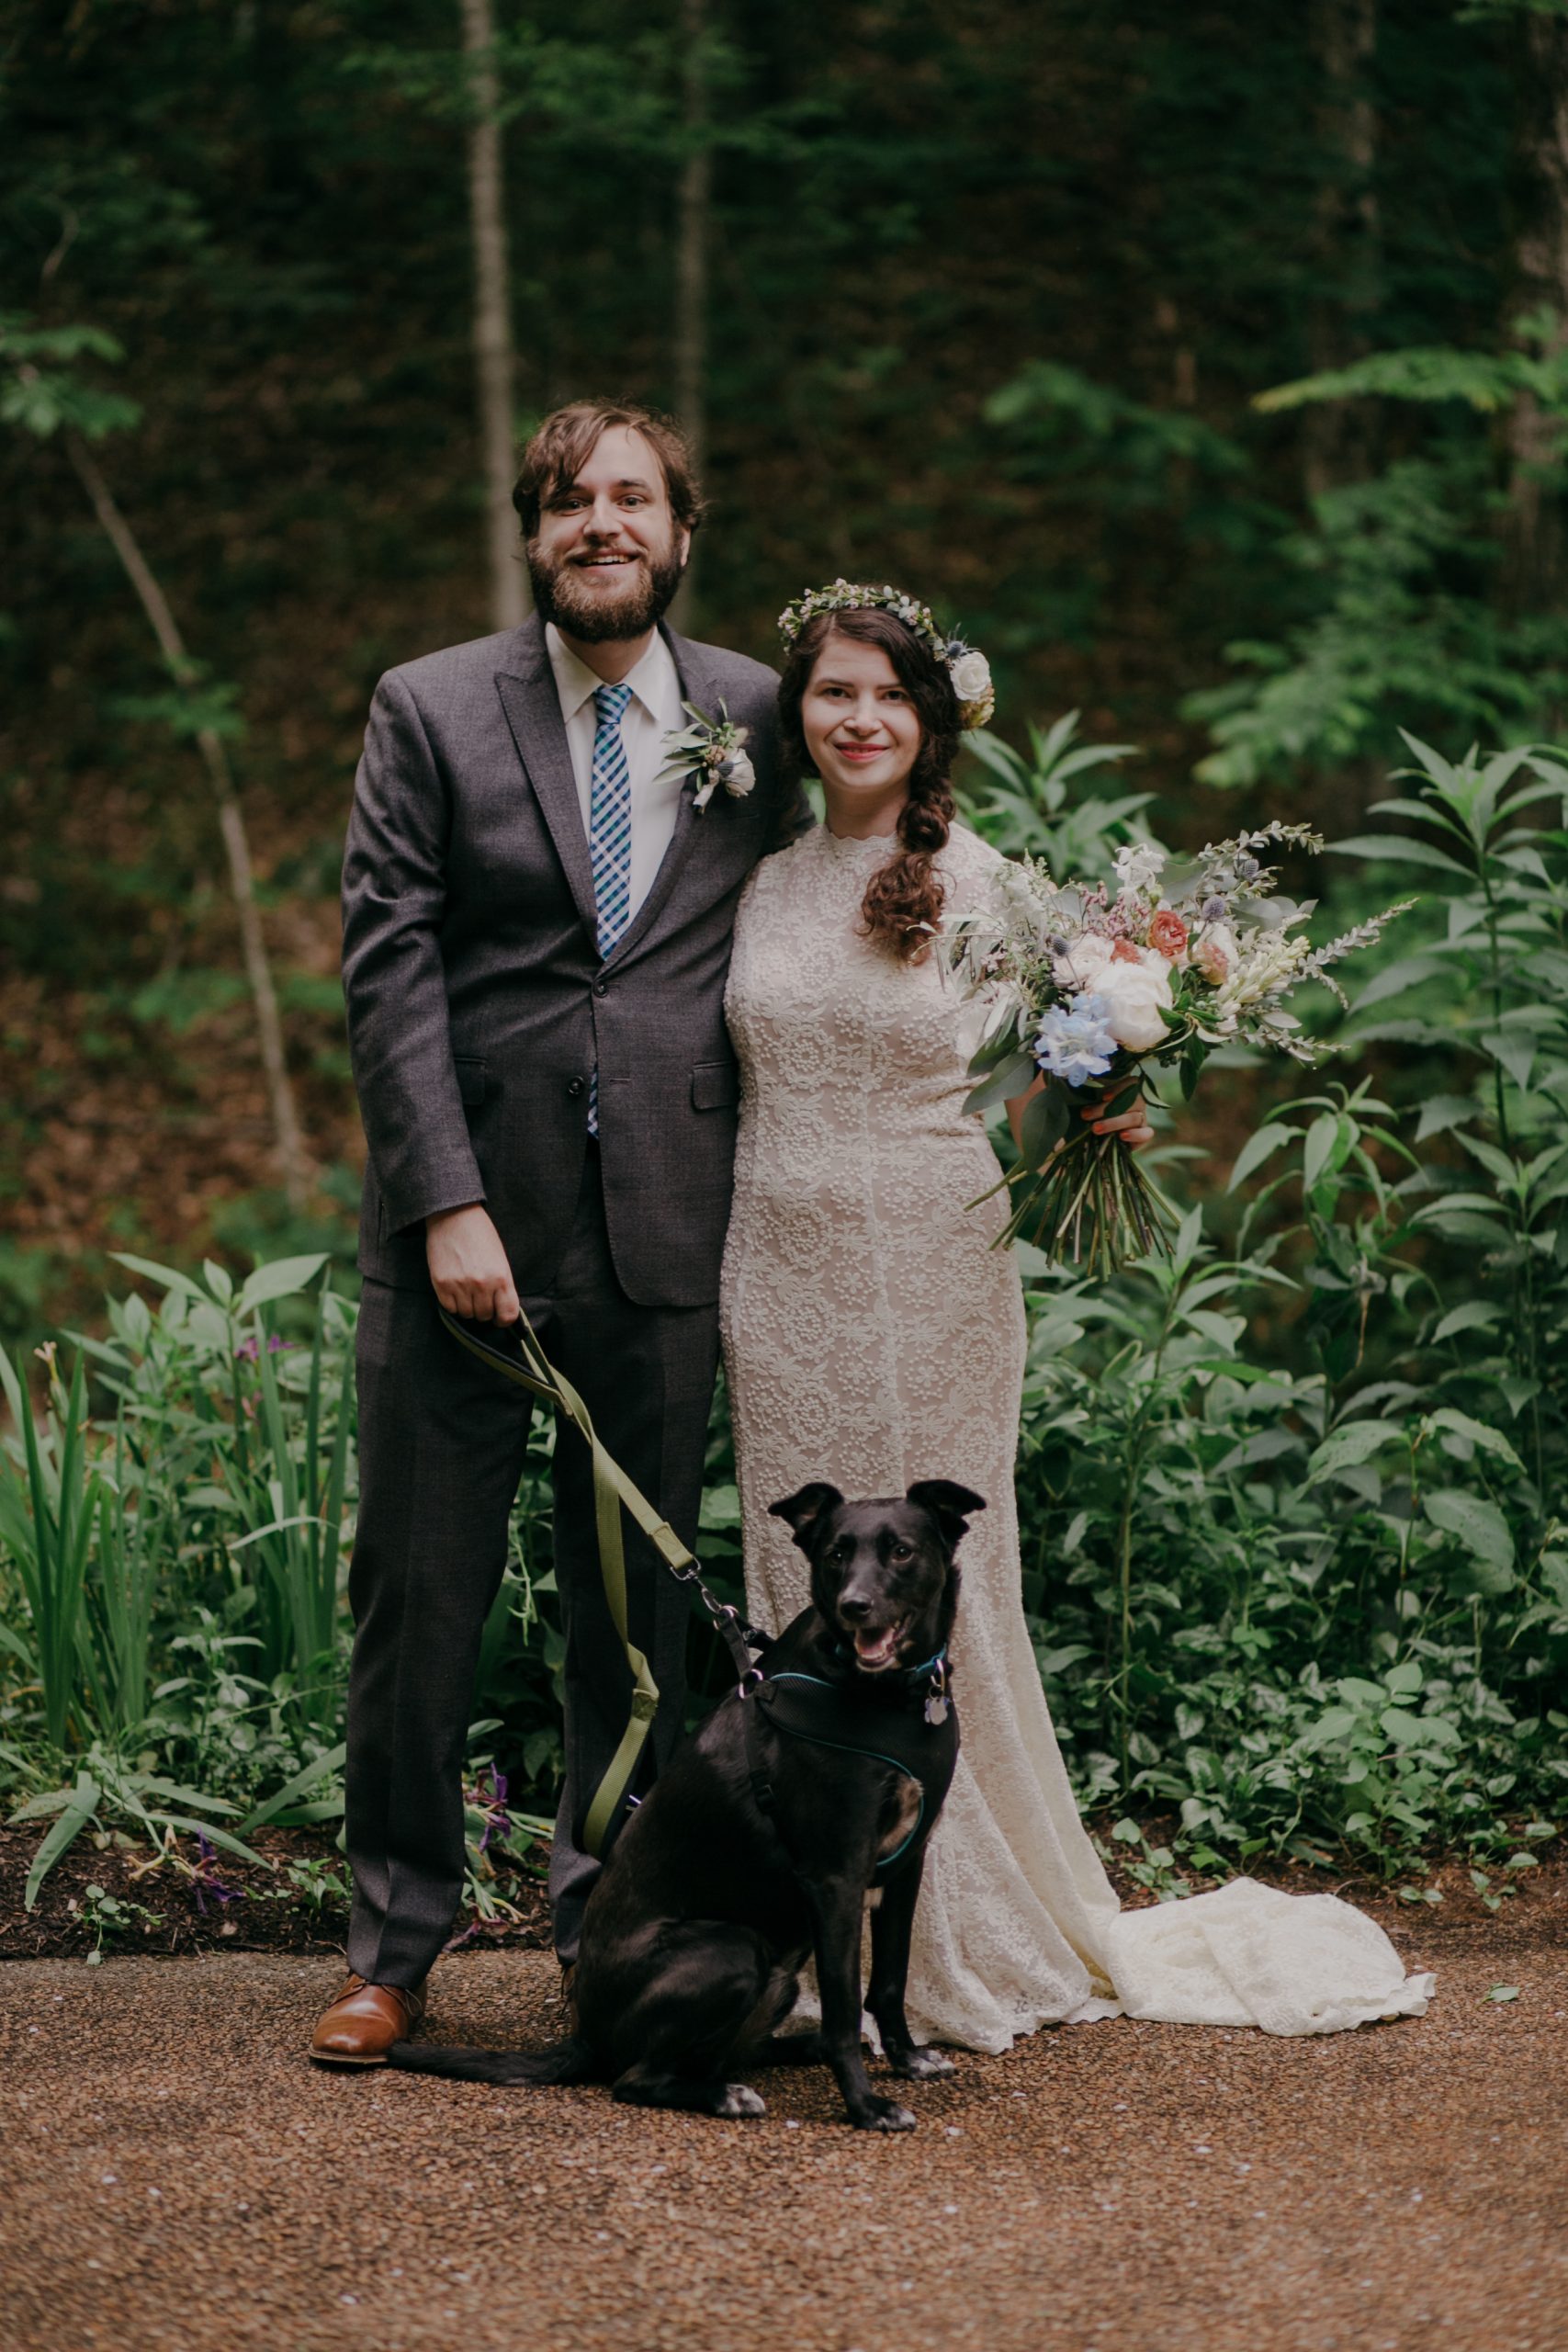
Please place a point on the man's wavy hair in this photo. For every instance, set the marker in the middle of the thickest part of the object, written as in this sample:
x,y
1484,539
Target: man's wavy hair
x,y
562,445
903,902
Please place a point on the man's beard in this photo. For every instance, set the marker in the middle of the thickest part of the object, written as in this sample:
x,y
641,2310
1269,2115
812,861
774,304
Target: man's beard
x,y
596,619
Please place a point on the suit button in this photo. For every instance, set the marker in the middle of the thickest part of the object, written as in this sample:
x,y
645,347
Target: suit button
x,y
574,1087
601,988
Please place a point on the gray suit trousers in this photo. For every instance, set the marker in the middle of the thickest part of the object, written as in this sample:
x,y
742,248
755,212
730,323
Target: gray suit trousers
x,y
442,1441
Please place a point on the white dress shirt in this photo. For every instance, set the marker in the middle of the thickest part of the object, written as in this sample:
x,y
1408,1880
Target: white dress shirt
x,y
653,712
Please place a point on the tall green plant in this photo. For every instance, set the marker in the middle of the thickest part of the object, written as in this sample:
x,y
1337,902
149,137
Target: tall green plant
x,y
300,1479
1028,805
137,1534
1493,990
49,1515
1352,1214
229,1458
268,1423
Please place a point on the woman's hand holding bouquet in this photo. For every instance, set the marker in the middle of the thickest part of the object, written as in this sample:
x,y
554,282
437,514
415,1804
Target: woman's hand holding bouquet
x,y
1089,986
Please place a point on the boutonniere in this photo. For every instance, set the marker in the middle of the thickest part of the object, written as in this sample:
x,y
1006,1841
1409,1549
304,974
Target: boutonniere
x,y
711,752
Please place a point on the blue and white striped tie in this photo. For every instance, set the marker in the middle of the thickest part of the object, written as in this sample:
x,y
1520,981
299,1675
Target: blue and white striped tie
x,y
609,836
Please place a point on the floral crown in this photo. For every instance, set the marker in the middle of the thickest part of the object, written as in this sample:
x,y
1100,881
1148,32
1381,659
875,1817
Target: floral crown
x,y
970,671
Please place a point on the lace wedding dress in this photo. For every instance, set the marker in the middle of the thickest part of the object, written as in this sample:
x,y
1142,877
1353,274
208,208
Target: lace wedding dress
x,y
873,1337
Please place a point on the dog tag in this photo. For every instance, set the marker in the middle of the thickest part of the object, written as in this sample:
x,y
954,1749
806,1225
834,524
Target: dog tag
x,y
936,1708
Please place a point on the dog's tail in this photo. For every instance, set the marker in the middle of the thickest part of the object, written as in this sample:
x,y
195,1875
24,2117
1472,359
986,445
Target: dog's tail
x,y
564,2061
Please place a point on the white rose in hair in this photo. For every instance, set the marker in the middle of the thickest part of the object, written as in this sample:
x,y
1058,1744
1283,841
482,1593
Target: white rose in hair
x,y
1135,998
742,775
971,675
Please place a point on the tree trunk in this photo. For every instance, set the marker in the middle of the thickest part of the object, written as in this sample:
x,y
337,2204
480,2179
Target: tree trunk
x,y
1336,432
293,1158
692,263
493,320
1532,529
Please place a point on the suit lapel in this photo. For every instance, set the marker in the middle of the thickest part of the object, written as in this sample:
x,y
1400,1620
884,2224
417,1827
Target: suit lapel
x,y
697,686
532,705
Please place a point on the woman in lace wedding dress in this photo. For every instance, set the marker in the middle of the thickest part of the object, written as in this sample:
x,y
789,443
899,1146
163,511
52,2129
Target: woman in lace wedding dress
x,y
873,1337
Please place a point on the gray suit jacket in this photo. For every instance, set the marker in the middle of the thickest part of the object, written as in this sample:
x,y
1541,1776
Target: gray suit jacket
x,y
478,1005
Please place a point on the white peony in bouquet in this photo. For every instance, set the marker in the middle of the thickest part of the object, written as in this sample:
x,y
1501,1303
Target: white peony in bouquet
x,y
1086,986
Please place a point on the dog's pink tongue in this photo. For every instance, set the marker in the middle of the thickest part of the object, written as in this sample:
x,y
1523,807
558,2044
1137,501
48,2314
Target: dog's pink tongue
x,y
874,1647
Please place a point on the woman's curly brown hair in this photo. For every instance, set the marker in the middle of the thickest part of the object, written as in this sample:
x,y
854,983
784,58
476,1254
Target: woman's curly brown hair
x,y
903,902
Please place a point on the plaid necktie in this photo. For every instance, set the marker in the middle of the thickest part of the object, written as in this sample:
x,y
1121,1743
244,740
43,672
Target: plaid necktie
x,y
609,835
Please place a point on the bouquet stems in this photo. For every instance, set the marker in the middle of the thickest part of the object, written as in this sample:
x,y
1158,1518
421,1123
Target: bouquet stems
x,y
1087,1203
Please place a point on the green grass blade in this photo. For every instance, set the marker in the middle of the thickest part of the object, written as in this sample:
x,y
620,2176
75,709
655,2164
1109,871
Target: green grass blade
x,y
67,1831
314,1414
73,1451
42,1589
292,1553
165,1276
337,1479
332,1762
213,1835
14,1643
40,1808
154,1785
15,1392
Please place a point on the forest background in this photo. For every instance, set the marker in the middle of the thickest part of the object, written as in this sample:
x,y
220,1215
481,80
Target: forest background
x,y
1210,369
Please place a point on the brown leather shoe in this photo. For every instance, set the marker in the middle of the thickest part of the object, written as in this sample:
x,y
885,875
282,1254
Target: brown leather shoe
x,y
363,2021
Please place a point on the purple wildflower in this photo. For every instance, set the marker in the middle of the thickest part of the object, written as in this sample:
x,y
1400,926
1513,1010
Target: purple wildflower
x,y
249,1351
205,1880
489,1798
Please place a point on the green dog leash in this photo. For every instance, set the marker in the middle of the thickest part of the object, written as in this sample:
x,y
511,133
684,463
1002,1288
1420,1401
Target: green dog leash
x,y
614,1492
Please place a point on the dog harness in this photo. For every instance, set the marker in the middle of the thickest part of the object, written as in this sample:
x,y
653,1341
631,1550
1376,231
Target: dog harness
x,y
918,1738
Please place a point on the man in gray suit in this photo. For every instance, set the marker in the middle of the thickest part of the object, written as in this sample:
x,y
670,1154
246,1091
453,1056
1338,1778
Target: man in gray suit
x,y
536,933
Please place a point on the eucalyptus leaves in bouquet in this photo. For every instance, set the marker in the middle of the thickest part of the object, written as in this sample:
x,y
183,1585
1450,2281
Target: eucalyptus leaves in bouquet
x,y
1086,986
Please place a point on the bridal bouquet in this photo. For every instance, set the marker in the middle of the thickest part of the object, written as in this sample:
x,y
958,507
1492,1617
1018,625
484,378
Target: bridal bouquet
x,y
1089,985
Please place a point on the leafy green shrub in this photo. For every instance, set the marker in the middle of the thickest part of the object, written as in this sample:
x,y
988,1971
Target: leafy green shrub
x,y
1294,1546
1400,573
173,1570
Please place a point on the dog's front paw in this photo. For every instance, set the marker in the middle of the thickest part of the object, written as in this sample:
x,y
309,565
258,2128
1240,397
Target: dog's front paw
x,y
738,2099
883,2115
920,2065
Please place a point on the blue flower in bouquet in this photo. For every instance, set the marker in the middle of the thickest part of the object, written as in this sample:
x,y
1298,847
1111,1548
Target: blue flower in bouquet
x,y
1075,1042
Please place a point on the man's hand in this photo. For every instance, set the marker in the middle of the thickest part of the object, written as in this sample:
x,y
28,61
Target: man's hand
x,y
1132,1125
468,1266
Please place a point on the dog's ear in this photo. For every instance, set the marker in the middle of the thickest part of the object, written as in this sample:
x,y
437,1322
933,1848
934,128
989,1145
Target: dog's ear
x,y
806,1511
952,1507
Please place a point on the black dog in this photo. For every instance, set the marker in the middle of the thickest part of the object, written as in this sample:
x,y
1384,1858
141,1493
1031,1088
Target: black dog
x,y
758,1846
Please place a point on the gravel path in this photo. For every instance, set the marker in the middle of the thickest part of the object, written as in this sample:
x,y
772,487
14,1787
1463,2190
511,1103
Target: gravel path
x,y
177,2179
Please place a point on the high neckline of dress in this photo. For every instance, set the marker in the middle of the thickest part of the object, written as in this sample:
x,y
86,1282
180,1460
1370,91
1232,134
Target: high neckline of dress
x,y
855,849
